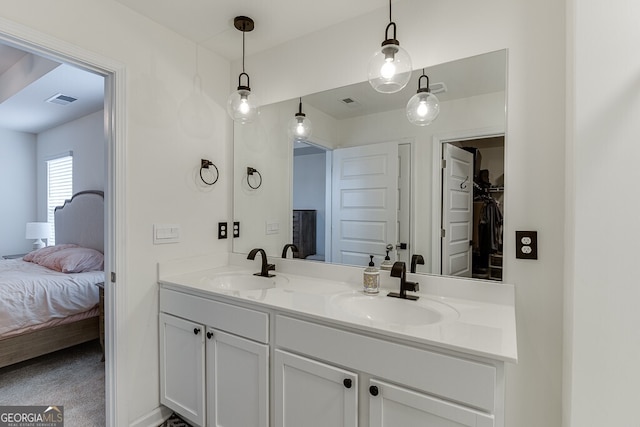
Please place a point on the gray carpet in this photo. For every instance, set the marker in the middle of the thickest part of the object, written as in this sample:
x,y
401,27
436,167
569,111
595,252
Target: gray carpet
x,y
73,378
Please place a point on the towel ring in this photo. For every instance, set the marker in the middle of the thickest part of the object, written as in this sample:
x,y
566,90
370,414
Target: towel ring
x,y
204,164
250,172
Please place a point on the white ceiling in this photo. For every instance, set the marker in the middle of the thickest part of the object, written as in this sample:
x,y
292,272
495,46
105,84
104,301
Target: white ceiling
x,y
210,22
27,111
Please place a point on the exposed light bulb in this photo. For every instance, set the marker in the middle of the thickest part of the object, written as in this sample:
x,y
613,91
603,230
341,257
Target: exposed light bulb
x,y
300,130
244,107
422,109
388,69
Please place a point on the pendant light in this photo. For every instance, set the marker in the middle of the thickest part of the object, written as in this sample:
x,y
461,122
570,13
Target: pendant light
x,y
300,127
242,105
423,107
390,67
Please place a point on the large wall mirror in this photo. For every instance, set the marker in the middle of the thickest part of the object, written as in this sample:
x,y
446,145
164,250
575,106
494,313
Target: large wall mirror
x,y
368,181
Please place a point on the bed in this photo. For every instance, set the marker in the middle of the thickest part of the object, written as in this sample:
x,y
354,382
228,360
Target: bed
x,y
51,302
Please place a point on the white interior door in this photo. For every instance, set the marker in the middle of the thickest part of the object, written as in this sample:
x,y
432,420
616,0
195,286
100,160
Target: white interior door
x,y
364,202
457,211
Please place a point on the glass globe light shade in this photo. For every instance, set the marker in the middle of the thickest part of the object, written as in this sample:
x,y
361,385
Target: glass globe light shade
x,y
242,105
423,108
390,68
300,128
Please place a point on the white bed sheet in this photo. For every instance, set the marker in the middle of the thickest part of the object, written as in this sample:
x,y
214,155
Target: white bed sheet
x,y
31,294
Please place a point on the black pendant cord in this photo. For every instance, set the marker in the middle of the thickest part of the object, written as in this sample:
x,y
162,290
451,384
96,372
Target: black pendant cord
x,y
240,86
243,33
390,25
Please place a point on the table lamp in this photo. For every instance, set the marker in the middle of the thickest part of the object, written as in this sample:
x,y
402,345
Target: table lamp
x,y
38,231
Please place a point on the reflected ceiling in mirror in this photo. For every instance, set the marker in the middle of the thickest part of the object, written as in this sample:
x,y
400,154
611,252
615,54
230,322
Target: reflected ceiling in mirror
x,y
359,135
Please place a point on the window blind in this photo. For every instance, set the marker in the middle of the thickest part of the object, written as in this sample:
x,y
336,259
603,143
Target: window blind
x,y
59,187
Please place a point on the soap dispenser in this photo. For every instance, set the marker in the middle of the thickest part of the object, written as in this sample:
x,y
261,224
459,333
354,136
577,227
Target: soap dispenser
x,y
371,279
387,264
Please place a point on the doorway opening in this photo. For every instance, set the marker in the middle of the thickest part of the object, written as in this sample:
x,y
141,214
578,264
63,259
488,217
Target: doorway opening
x,y
311,190
472,203
41,45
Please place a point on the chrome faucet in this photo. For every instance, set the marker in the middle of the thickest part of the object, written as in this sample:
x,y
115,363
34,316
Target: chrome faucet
x,y
416,259
294,249
264,270
399,269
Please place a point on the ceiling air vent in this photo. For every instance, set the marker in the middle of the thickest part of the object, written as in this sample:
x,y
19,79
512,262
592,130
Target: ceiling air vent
x,y
61,99
350,102
437,87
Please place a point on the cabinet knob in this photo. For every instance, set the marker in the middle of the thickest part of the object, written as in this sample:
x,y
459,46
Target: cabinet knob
x,y
196,331
209,335
373,390
347,382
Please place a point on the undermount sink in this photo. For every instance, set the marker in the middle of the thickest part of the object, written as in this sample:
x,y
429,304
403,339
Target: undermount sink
x,y
394,311
243,281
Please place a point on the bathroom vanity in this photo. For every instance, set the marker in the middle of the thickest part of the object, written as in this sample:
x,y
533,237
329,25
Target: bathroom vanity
x,y
309,348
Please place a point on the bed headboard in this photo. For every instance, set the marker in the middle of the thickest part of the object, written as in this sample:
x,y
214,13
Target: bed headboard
x,y
81,220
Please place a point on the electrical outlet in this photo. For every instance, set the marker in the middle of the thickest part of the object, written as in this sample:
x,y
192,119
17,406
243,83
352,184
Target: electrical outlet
x,y
222,230
236,229
527,244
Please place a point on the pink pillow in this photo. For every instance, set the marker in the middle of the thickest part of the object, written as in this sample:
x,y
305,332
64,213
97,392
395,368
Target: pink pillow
x,y
74,260
39,254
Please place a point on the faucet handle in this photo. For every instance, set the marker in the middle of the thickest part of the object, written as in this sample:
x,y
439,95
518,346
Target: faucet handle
x,y
412,286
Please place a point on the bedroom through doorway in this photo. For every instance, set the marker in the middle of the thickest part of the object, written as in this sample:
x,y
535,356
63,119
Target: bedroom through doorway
x,y
95,168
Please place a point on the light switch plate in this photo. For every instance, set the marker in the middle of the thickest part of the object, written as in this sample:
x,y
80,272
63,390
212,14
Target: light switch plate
x,y
272,227
166,233
527,244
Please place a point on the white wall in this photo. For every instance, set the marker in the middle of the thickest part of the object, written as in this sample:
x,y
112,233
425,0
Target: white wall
x,y
85,138
435,32
603,289
266,146
17,189
162,160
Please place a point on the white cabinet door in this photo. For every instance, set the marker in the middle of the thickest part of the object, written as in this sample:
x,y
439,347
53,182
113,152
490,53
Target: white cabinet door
x,y
237,381
182,367
313,394
393,406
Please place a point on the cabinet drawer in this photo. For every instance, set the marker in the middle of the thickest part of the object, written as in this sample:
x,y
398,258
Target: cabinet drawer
x,y
241,321
453,378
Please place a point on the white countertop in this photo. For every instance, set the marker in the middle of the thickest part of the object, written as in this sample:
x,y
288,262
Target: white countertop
x,y
478,317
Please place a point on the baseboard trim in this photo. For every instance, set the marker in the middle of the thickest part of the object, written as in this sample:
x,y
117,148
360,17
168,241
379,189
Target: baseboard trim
x,y
153,418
